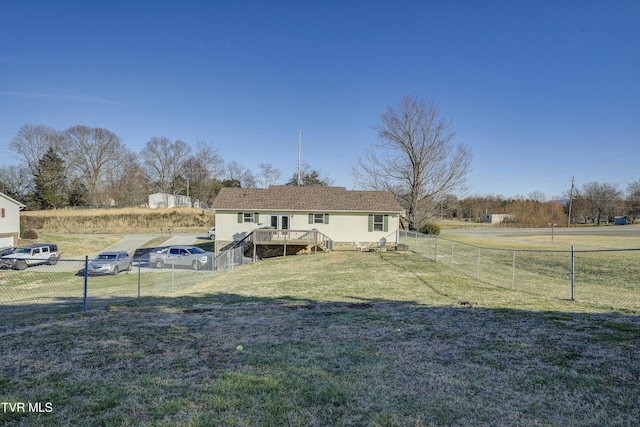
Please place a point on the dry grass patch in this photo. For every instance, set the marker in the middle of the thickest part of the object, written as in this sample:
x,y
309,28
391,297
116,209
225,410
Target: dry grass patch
x,y
128,220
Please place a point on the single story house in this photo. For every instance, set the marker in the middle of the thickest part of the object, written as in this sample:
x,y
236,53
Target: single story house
x,y
9,220
165,200
495,218
344,216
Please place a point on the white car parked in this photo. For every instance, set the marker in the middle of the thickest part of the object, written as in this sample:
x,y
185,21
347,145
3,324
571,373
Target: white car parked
x,y
212,233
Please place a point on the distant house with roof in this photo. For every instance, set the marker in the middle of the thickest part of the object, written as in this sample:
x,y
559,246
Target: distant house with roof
x,y
495,218
9,220
166,200
344,216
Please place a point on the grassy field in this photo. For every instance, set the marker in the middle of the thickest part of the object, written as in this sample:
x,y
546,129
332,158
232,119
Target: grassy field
x,y
344,338
605,275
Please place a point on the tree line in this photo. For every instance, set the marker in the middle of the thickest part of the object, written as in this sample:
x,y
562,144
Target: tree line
x,y
85,166
415,158
592,203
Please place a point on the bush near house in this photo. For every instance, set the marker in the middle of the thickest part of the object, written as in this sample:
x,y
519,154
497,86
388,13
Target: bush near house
x,y
431,229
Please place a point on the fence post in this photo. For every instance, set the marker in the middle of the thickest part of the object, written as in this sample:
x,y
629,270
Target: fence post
x,y
139,267
173,269
428,245
435,256
573,274
513,271
478,273
86,280
452,244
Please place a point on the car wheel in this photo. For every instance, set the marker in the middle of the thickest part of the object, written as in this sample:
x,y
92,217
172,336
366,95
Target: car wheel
x,y
212,237
52,261
159,263
21,265
115,271
194,265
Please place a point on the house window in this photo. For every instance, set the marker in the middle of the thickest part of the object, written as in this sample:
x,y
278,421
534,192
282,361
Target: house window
x,y
378,222
248,217
318,218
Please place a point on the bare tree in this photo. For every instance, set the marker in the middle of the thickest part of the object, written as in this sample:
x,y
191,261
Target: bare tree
x,y
16,181
200,170
538,196
268,175
91,152
163,160
32,142
415,158
633,200
237,172
603,199
128,184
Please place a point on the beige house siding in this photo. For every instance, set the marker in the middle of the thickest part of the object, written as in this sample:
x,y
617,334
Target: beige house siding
x,y
342,227
9,220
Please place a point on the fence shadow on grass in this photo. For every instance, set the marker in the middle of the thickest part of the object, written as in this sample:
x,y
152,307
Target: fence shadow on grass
x,y
335,362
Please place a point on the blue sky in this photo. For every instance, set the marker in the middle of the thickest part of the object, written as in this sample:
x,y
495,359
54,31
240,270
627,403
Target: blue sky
x,y
540,91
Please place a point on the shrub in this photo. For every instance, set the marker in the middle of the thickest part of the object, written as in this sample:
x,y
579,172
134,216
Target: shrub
x,y
431,229
30,234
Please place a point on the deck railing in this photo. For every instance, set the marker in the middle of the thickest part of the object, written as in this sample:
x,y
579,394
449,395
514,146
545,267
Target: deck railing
x,y
269,236
290,237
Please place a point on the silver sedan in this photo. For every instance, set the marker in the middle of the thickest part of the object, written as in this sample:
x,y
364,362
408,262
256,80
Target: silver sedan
x,y
110,263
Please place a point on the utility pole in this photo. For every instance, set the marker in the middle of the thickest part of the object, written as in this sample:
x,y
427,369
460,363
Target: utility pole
x,y
299,149
570,202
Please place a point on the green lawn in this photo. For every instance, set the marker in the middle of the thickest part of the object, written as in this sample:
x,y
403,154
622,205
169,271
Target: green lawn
x,y
605,274
344,338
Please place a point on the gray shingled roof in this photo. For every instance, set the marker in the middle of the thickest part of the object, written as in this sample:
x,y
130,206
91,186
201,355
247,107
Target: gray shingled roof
x,y
305,198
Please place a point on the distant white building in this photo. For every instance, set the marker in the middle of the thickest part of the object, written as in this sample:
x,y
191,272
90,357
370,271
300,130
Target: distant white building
x,y
9,220
165,200
495,218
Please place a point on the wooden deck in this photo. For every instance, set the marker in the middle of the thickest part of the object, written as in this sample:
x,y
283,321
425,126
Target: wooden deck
x,y
260,240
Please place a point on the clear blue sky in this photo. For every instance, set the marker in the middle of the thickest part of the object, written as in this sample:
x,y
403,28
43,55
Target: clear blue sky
x,y
539,90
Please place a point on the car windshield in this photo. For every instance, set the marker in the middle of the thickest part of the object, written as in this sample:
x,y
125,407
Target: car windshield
x,y
196,250
102,257
23,251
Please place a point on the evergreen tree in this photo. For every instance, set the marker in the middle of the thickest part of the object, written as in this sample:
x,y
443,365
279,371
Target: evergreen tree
x,y
309,178
50,181
78,193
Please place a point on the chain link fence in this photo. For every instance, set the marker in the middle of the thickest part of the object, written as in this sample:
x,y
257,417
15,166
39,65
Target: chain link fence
x,y
606,278
65,288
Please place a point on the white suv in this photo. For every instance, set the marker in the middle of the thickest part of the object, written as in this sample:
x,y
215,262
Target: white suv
x,y
212,233
26,256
